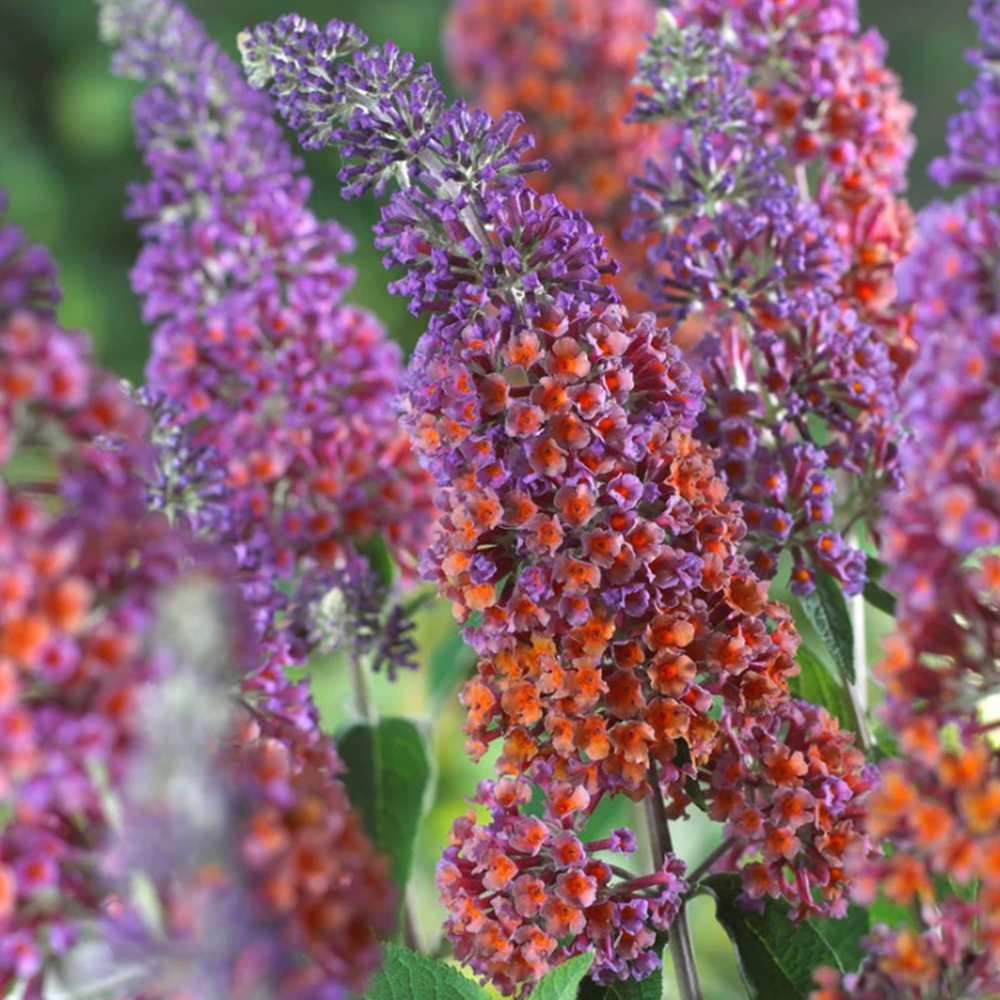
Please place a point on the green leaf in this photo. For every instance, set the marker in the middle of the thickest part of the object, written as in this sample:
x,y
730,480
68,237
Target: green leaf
x,y
405,975
875,594
827,612
376,551
818,686
875,569
451,663
777,958
878,597
388,778
845,936
650,988
563,982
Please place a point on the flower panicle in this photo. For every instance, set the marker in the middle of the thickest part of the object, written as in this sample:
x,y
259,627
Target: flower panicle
x,y
585,540
756,268
256,358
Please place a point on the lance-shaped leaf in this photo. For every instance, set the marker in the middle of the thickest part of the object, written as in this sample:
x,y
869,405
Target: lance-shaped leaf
x,y
817,685
388,780
563,982
827,612
875,594
650,988
451,663
777,958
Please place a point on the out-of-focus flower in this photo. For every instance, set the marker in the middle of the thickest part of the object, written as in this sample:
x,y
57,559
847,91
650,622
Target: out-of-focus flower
x,y
263,882
255,356
938,805
567,66
85,567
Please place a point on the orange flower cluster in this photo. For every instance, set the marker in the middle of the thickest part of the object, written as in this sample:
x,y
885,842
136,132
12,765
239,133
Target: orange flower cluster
x,y
567,66
589,546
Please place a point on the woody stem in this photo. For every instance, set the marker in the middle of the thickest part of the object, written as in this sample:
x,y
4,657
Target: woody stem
x,y
681,944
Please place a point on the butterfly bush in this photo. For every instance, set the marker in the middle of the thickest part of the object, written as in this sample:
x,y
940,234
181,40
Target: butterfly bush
x,y
567,66
823,93
800,386
84,569
585,540
939,803
210,774
283,392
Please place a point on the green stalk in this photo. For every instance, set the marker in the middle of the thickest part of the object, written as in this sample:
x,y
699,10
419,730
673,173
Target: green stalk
x,y
681,943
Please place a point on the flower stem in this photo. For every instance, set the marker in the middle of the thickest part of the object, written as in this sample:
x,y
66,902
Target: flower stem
x,y
369,712
362,696
681,944
706,866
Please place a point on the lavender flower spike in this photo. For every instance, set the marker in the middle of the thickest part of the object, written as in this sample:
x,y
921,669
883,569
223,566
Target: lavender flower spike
x,y
282,393
463,223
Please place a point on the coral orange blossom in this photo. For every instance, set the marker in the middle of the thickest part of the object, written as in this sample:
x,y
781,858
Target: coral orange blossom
x,y
625,645
568,67
84,567
939,803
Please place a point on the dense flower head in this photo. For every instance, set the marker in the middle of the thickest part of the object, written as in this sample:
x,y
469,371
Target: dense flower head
x,y
525,892
585,540
938,804
799,386
822,93
793,791
255,355
85,563
567,67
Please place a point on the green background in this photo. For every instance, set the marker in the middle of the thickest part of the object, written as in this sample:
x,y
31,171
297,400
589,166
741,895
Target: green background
x,y
67,153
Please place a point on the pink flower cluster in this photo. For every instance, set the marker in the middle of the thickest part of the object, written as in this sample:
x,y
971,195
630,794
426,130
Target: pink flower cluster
x,y
524,892
259,360
83,562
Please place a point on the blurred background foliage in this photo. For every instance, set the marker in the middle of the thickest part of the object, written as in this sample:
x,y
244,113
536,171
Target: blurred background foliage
x,y
67,155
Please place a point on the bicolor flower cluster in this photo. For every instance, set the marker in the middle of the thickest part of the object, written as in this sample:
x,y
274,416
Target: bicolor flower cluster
x,y
233,816
939,803
585,540
823,93
524,892
83,565
800,388
567,66
255,355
